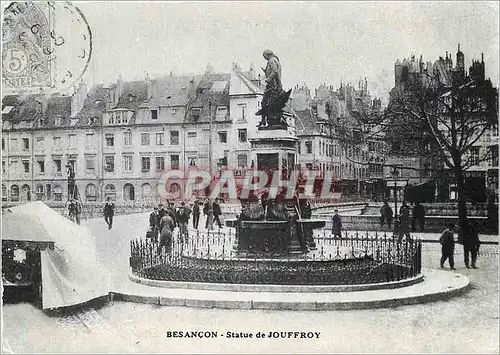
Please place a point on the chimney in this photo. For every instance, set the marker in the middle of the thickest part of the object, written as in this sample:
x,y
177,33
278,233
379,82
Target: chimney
x,y
147,79
78,98
119,87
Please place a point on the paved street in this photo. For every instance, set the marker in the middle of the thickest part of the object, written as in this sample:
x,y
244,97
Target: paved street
x,y
465,324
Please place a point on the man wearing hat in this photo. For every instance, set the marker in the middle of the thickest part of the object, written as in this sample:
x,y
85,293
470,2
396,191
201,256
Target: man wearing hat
x,y
448,246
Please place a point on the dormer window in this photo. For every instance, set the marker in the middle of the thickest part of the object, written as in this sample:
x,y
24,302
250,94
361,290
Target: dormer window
x,y
58,121
174,111
41,122
221,113
195,114
130,98
91,121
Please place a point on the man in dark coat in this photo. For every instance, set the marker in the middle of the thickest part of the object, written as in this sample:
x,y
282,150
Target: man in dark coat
x,y
109,212
336,225
404,221
217,212
154,223
167,226
196,214
386,214
418,216
448,246
470,242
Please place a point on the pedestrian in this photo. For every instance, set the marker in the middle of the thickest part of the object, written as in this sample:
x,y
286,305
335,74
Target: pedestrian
x,y
404,222
109,212
161,211
386,214
418,216
336,225
471,243
72,210
447,242
167,226
196,214
154,224
78,210
217,212
209,212
183,214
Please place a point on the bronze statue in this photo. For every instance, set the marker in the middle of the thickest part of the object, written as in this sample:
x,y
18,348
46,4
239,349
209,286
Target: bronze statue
x,y
275,98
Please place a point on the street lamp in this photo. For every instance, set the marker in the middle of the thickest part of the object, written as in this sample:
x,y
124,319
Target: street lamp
x,y
395,174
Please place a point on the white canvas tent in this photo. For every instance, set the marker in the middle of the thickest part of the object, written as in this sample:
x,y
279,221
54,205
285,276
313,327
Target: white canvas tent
x,y
71,271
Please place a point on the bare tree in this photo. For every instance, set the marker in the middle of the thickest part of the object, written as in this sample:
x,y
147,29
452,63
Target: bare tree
x,y
443,119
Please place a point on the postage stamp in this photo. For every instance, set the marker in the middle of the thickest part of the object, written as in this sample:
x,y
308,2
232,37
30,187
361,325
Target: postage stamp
x,y
46,46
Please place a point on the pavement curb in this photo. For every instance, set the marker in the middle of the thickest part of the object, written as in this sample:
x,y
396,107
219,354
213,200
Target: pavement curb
x,y
275,288
438,285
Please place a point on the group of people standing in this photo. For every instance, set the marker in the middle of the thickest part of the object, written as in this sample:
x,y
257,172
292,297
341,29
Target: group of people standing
x,y
405,220
468,236
164,219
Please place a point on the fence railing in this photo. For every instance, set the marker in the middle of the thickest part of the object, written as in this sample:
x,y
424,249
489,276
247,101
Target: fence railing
x,y
354,258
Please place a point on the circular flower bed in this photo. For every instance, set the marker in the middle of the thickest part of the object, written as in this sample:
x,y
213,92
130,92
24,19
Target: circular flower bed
x,y
293,272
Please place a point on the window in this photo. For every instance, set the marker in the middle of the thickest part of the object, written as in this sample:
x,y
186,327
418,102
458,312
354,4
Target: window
x,y
110,191
192,134
111,118
221,113
243,109
242,160
110,140
160,163
127,138
474,155
3,148
144,138
309,148
40,192
90,140
222,137
174,111
154,114
145,164
299,147
57,193
57,121
26,166
14,193
26,143
195,114
4,192
242,135
174,162
174,138
72,141
48,189
493,155
146,191
57,165
222,162
127,163
3,166
91,192
128,192
14,144
192,160
109,163
90,164
160,138
41,165
39,142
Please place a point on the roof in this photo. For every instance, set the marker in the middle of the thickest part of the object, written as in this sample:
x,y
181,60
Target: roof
x,y
171,91
133,94
207,98
241,85
93,107
305,121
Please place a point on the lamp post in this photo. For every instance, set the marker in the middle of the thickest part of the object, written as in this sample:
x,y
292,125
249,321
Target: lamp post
x,y
395,174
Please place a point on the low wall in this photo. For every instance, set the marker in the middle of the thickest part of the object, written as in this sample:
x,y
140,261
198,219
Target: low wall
x,y
433,224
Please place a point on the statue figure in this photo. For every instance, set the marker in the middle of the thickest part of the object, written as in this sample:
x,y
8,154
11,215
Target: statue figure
x,y
275,97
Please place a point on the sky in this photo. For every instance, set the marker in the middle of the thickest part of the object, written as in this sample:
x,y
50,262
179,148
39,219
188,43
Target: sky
x,y
317,42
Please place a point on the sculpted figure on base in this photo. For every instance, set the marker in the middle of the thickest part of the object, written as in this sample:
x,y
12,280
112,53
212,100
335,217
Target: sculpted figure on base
x,y
275,97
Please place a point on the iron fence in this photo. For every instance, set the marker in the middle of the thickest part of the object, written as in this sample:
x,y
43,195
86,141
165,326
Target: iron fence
x,y
354,258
